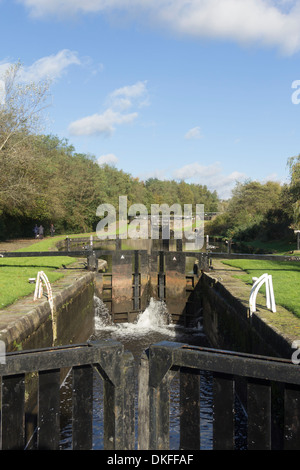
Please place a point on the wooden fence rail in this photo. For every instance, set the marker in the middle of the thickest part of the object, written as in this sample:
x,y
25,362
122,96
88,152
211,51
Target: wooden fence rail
x,y
259,373
19,372
40,372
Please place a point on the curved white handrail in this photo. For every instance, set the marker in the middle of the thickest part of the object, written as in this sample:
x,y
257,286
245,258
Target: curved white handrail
x,y
270,298
41,277
38,293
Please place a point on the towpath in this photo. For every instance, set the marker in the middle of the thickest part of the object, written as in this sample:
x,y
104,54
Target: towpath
x,y
13,245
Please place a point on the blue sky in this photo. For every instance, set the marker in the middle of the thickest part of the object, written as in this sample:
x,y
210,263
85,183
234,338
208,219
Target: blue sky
x,y
196,90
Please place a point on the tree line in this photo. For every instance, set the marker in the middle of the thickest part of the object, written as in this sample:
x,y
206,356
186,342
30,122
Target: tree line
x,y
261,211
52,183
43,179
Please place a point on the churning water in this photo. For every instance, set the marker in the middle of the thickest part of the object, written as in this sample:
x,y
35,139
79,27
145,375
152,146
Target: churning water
x,y
152,326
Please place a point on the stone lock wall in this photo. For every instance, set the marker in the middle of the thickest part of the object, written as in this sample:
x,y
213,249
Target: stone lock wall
x,y
228,325
29,324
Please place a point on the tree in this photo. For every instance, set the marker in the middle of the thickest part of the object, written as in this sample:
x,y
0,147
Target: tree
x,y
255,210
293,193
43,178
20,119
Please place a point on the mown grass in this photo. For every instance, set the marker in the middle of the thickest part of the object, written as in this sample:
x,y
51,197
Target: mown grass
x,y
15,272
285,276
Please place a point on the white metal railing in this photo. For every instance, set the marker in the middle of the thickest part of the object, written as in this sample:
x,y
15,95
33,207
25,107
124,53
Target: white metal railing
x,y
270,298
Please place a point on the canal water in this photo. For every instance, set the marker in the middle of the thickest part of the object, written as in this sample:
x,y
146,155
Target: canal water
x,y
152,326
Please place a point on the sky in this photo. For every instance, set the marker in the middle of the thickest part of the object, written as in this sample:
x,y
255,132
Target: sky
x,y
205,91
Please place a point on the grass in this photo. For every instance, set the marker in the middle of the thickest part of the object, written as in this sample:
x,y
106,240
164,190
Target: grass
x,y
282,247
15,272
285,276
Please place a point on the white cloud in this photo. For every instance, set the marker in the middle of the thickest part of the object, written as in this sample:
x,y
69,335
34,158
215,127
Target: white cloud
x,y
50,67
195,170
274,178
267,22
154,173
46,68
109,159
210,175
127,96
100,124
131,91
194,133
105,123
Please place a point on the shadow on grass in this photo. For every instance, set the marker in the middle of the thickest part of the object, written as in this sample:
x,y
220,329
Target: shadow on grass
x,y
263,269
40,266
29,266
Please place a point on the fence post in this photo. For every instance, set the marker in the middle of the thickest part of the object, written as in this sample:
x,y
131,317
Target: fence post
x,y
48,409
68,244
143,402
223,424
82,407
259,414
204,262
129,401
12,413
189,408
92,262
292,417
116,369
160,376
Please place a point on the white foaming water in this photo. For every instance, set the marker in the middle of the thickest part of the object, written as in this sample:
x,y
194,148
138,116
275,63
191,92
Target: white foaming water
x,y
155,318
154,322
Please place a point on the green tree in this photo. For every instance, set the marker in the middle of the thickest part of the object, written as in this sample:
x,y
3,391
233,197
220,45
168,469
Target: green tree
x,y
293,192
254,211
20,117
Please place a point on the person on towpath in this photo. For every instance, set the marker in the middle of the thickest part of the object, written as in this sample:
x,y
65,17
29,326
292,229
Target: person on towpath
x,y
41,231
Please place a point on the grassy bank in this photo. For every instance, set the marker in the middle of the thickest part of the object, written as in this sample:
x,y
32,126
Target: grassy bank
x,y
282,247
15,272
285,275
